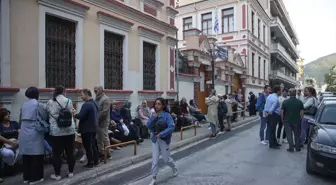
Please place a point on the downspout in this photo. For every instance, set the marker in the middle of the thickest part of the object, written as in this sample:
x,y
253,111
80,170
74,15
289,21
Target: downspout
x,y
177,67
196,14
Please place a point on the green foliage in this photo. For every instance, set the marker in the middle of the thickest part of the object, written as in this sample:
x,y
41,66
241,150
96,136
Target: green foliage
x,y
330,79
319,67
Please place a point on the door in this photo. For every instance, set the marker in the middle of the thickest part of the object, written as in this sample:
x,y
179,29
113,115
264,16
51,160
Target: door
x,y
202,92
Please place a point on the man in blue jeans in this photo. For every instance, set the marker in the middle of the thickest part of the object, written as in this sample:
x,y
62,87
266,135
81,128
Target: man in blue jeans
x,y
261,101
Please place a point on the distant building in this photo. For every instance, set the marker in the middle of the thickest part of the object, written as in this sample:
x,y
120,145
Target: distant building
x,y
284,41
243,26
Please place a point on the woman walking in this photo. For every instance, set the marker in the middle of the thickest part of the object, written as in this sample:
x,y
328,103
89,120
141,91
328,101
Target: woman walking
x,y
31,141
62,131
161,126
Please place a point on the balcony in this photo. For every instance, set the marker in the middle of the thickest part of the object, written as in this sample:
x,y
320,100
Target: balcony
x,y
277,48
278,9
282,35
279,75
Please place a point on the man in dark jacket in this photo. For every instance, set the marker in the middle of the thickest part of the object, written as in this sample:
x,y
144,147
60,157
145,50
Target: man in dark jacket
x,y
222,110
87,127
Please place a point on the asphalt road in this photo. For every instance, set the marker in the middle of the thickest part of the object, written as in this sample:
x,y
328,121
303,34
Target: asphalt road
x,y
236,158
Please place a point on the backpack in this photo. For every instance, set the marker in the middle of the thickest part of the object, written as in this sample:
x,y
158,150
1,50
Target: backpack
x,y
261,106
64,117
222,108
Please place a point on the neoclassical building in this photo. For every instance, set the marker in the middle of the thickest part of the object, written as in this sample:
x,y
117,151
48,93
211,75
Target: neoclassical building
x,y
242,25
125,45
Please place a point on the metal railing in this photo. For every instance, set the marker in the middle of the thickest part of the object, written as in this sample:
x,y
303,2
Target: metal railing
x,y
120,144
190,126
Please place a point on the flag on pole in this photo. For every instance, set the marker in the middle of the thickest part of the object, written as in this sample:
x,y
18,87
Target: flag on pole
x,y
216,28
222,53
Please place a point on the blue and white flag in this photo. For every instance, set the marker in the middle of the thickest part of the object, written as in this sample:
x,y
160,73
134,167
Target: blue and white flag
x,y
222,53
216,28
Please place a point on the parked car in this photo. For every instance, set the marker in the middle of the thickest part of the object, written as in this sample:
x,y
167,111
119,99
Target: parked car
x,y
321,150
328,98
325,94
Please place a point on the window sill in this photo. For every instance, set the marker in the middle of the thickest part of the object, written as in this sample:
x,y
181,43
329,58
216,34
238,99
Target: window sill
x,y
149,95
47,94
7,94
119,95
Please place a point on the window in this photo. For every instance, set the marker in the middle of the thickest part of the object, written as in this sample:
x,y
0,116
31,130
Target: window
x,y
113,61
207,24
264,34
259,62
259,29
253,22
227,20
187,24
149,66
253,64
264,69
60,52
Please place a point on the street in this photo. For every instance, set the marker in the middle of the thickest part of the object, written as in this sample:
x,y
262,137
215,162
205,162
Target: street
x,y
235,158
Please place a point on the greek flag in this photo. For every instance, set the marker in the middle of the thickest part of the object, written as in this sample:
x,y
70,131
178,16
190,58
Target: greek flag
x,y
216,28
222,53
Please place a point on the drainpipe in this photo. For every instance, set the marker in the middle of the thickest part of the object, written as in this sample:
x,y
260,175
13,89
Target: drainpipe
x,y
177,63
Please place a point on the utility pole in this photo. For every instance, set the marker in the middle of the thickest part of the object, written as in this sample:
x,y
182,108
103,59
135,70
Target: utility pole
x,y
213,70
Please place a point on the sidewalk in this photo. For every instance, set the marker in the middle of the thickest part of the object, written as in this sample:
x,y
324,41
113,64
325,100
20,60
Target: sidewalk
x,y
122,158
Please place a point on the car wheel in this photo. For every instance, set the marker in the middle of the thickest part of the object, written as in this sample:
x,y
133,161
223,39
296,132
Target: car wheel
x,y
309,168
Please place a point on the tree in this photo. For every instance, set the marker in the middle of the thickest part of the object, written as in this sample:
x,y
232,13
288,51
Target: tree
x,y
330,79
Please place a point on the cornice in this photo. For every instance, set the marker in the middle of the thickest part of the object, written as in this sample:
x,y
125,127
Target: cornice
x,y
127,12
171,41
150,34
171,11
154,3
115,22
67,6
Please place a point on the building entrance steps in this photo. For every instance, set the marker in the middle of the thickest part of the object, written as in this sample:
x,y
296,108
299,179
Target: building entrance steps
x,y
122,158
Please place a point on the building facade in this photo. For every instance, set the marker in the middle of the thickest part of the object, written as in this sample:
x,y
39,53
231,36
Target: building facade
x,y
125,45
243,26
284,41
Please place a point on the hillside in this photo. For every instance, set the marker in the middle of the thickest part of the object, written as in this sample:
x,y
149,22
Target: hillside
x,y
319,67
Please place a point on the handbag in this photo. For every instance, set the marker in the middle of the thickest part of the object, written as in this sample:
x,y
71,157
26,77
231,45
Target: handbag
x,y
41,126
311,110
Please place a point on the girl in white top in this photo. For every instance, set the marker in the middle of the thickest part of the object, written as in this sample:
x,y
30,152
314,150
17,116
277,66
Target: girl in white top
x,y
311,98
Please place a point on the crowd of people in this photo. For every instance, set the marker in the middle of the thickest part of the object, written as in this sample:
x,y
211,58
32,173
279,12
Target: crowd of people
x,y
285,110
58,129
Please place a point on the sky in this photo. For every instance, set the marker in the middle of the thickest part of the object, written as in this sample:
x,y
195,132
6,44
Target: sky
x,y
315,24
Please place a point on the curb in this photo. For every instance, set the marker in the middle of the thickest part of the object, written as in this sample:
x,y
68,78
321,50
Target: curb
x,y
124,163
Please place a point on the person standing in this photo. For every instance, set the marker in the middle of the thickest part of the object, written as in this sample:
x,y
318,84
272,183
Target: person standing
x,y
31,141
212,116
87,127
222,110
252,107
261,101
291,115
62,131
229,112
280,126
161,125
272,112
103,103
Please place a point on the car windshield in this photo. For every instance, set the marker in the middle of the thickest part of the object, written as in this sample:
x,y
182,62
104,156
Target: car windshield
x,y
328,115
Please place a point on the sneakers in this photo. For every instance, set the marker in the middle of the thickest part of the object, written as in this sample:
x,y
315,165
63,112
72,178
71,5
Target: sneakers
x,y
70,175
153,182
36,182
263,142
284,141
175,172
83,159
221,132
55,177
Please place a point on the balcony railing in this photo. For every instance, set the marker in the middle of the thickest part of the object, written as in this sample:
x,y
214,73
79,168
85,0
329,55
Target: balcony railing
x,y
277,22
277,74
278,47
